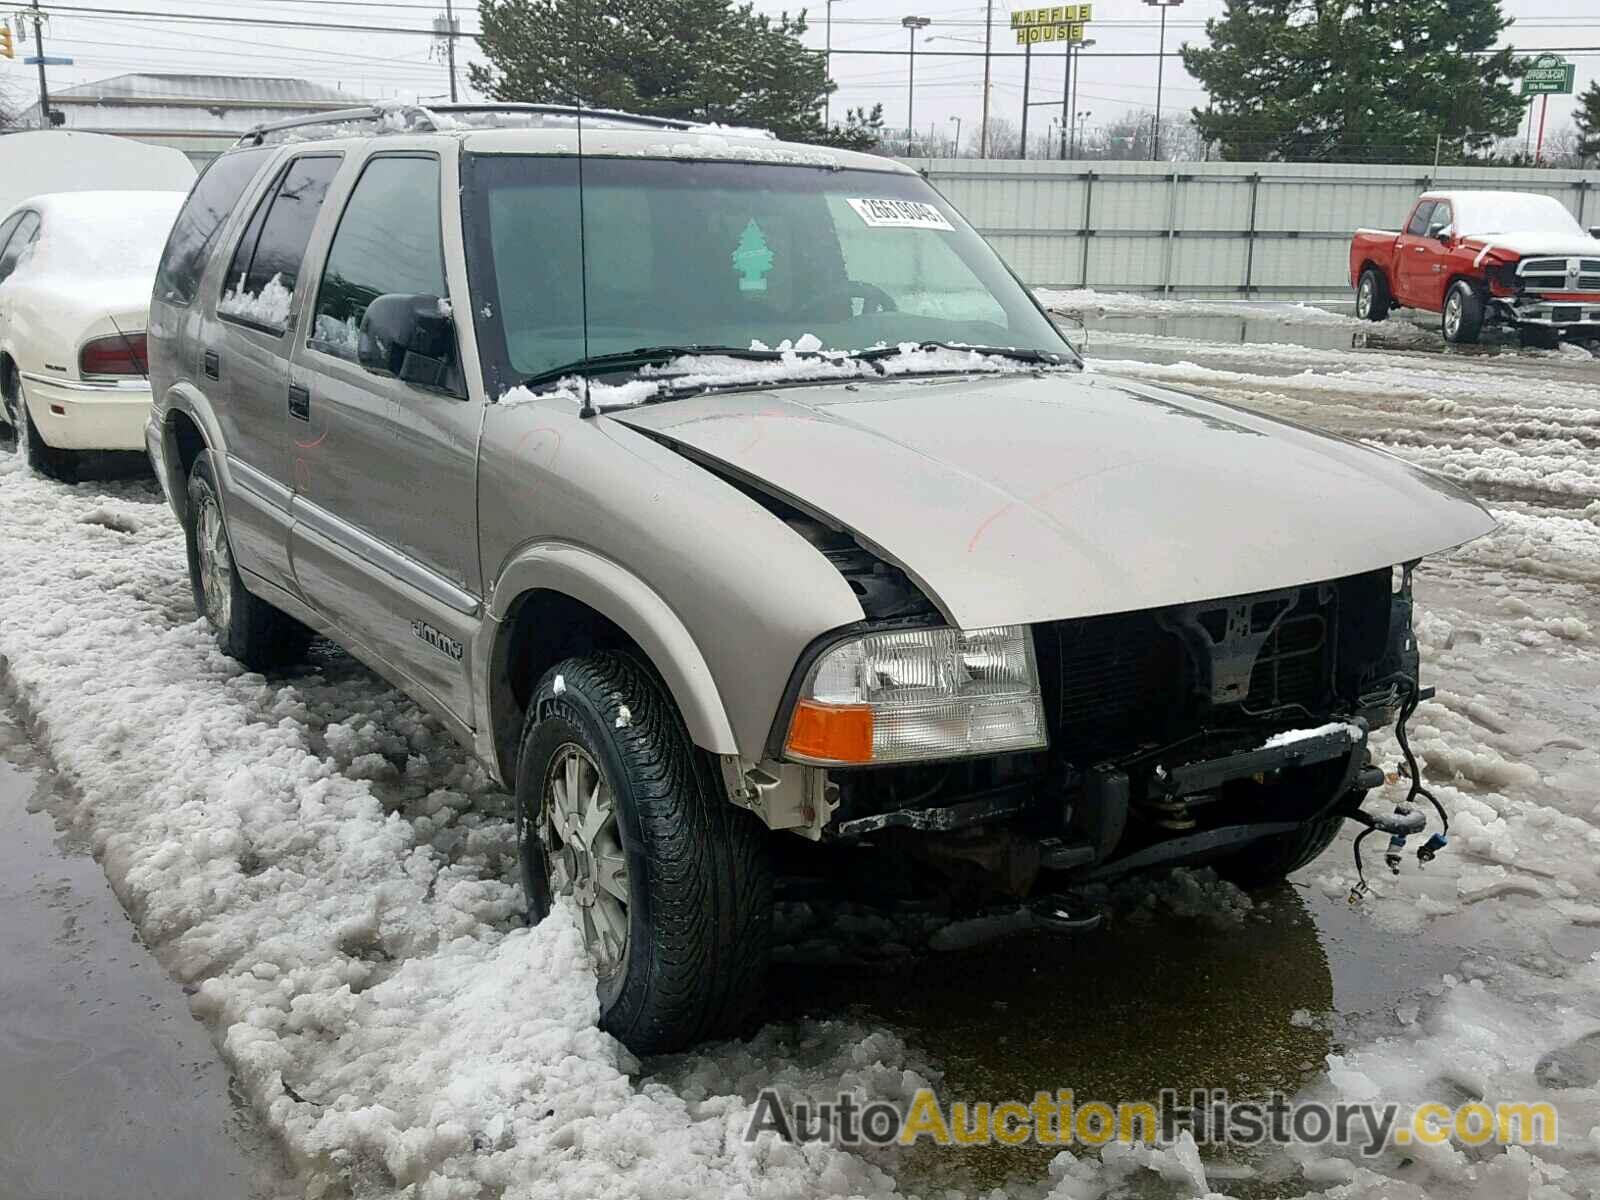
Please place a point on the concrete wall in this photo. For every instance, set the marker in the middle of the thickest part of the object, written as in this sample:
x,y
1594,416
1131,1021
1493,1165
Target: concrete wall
x,y
1207,229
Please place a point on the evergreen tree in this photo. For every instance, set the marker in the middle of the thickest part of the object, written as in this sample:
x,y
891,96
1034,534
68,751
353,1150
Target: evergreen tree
x,y
702,60
1354,80
1587,119
862,130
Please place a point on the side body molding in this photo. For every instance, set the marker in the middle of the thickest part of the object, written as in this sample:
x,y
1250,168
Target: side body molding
x,y
637,609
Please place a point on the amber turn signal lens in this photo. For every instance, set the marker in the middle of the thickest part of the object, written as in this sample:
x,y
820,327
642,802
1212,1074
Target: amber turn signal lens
x,y
839,733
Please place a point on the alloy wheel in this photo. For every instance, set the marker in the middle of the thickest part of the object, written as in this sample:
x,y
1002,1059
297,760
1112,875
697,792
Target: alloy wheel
x,y
216,563
1452,315
583,853
1364,298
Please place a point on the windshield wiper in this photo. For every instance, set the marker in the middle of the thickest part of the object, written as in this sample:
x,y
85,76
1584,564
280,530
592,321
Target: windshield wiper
x,y
643,356
1047,358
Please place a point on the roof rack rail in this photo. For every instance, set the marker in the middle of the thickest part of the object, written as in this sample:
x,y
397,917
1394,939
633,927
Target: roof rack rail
x,y
417,118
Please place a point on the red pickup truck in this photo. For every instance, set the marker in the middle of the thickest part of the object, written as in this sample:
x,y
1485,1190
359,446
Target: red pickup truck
x,y
1514,258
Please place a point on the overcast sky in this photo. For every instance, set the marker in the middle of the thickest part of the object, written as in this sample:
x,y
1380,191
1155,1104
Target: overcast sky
x,y
377,64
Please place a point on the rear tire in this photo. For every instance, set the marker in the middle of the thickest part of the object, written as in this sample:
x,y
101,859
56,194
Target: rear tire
x,y
44,458
247,627
1462,319
1372,296
1273,859
697,912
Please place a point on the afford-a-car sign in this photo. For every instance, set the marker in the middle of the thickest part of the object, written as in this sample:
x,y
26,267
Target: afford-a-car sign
x,y
1549,75
1061,23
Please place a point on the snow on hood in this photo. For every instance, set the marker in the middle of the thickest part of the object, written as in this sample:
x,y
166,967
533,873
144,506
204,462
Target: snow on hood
x,y
803,360
1534,244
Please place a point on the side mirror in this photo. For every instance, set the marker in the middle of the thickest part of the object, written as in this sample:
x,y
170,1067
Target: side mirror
x,y
410,337
1446,236
1594,231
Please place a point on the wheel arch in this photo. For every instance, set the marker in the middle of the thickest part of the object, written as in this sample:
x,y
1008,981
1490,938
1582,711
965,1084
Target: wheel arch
x,y
187,428
554,600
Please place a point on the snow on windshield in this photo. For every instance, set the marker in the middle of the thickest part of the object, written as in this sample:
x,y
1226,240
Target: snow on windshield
x,y
103,234
1511,212
802,360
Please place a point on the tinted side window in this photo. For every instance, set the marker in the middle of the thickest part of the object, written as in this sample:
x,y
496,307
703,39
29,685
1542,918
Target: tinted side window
x,y
266,265
21,238
1419,219
195,230
388,240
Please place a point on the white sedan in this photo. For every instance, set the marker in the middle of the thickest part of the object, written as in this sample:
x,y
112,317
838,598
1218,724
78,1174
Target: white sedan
x,y
76,270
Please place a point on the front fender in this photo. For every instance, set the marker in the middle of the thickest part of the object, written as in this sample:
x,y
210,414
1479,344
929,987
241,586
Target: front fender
x,y
635,608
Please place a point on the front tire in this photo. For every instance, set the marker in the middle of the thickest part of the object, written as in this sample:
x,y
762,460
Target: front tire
x,y
618,810
247,627
1372,296
1271,860
1462,319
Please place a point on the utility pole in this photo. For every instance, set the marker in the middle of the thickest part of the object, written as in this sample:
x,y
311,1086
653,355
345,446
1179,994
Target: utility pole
x,y
827,58
988,45
449,42
38,49
1027,76
1066,101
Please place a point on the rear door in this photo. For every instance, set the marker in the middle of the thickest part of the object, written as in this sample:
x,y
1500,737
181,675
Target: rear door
x,y
1413,258
257,305
384,540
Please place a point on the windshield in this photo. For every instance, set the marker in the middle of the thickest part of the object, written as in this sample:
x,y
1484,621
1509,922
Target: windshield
x,y
724,254
1512,212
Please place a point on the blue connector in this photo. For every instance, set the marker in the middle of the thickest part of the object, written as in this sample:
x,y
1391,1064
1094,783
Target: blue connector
x,y
1431,847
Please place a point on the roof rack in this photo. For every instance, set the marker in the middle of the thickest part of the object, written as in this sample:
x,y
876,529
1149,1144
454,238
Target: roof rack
x,y
416,118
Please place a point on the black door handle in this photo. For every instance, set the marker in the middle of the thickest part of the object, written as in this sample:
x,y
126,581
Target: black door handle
x,y
213,365
299,402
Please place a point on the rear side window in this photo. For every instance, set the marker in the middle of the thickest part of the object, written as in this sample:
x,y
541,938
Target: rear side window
x,y
1419,219
261,279
21,238
6,226
195,231
388,240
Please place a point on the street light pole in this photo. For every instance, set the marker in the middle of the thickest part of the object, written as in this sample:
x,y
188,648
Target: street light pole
x,y
1077,74
956,151
1161,67
912,24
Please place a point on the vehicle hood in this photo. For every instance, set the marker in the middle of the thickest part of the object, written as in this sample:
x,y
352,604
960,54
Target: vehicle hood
x,y
1558,245
1025,498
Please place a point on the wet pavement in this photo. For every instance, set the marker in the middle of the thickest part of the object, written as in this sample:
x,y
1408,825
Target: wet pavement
x,y
108,1087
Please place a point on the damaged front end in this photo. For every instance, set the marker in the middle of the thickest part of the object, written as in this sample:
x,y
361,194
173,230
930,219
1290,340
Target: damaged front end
x,y
1183,734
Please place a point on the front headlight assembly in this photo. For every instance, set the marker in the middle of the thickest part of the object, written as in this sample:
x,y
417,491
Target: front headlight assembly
x,y
913,695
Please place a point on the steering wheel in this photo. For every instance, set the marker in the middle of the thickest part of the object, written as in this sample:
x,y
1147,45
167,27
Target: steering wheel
x,y
873,298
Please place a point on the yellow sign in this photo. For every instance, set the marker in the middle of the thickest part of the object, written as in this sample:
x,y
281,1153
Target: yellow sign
x,y
1061,23
6,48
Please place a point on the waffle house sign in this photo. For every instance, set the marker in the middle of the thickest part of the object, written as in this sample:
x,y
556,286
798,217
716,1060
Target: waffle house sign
x,y
1062,23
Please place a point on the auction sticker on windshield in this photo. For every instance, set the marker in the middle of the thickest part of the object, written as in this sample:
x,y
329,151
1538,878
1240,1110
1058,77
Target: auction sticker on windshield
x,y
900,214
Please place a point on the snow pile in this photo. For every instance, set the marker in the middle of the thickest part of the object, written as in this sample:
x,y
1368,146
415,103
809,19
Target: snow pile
x,y
269,306
801,360
337,880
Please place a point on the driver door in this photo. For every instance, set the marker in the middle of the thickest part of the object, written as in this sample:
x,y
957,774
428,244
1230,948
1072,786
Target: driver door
x,y
384,539
1420,256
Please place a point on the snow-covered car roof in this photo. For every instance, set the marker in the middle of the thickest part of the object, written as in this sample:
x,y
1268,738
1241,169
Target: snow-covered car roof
x,y
98,234
1479,213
